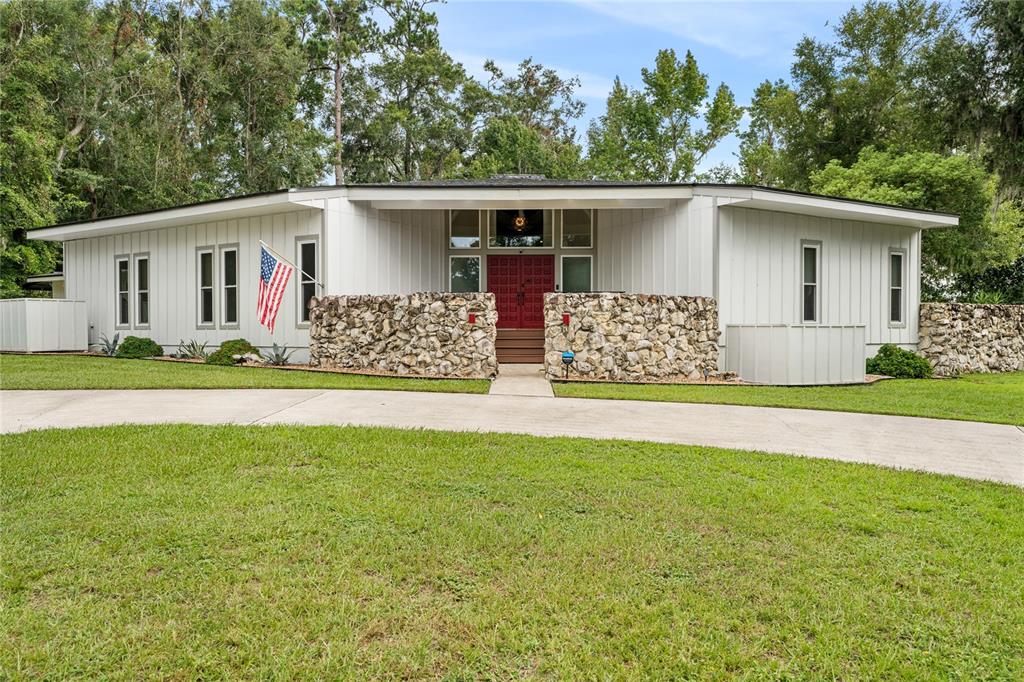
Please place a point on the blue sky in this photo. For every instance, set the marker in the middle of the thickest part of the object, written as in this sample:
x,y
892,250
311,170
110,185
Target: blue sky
x,y
740,43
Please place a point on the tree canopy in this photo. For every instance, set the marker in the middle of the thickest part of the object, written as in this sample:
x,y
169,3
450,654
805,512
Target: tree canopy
x,y
112,106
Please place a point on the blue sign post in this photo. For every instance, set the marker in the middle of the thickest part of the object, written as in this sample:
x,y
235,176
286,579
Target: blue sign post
x,y
567,359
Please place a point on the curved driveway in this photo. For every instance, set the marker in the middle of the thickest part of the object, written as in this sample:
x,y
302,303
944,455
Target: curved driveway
x,y
968,449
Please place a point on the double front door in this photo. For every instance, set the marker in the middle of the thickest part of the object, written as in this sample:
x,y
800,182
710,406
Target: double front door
x,y
519,284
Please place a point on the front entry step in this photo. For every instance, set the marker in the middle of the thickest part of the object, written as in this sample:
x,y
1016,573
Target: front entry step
x,y
520,346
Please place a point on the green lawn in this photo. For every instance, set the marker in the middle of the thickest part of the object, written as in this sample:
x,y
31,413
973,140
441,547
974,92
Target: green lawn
x,y
77,371
192,552
995,398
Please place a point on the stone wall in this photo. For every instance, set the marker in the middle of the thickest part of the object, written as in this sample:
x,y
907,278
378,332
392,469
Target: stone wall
x,y
425,334
962,337
631,337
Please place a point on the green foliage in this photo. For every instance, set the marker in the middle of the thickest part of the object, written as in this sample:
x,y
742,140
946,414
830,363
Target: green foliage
x,y
228,349
109,346
988,298
898,363
278,355
192,350
139,347
927,180
652,133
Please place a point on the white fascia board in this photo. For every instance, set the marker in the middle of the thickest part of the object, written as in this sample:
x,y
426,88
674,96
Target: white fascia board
x,y
508,197
226,209
825,207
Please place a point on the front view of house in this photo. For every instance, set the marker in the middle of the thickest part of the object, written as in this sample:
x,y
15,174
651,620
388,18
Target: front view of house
x,y
639,280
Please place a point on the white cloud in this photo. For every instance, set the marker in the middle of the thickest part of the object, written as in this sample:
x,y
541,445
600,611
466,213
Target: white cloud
x,y
742,29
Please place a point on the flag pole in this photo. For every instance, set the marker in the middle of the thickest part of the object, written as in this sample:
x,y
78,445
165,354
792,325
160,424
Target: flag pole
x,y
269,248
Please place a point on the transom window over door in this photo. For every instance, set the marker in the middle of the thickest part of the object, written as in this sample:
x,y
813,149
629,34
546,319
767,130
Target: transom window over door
x,y
810,281
521,228
896,287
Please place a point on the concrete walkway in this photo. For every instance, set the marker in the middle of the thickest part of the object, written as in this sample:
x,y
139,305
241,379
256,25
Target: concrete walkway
x,y
969,449
516,379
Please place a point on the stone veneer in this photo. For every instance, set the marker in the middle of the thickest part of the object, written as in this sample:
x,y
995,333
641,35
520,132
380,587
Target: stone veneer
x,y
631,337
965,337
423,334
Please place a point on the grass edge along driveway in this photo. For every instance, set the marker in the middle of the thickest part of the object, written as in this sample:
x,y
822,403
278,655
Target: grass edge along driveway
x,y
69,372
320,552
995,398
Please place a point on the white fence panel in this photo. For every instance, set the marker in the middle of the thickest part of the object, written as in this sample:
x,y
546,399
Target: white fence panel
x,y
33,325
795,354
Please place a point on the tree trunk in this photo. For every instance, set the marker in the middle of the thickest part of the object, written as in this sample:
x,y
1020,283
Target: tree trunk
x,y
339,170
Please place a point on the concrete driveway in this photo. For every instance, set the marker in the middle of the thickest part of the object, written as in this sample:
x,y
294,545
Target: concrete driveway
x,y
968,449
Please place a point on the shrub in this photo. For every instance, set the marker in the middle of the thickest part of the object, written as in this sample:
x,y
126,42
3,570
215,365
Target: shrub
x,y
225,354
896,362
192,350
109,346
138,347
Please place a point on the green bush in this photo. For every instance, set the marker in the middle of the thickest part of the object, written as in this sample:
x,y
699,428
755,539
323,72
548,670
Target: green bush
x,y
896,362
228,349
138,347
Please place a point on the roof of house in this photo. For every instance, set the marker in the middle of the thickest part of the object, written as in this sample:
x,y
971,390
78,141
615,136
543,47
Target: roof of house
x,y
523,188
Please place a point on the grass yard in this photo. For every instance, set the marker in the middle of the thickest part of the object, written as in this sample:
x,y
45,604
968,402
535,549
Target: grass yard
x,y
92,372
300,552
997,398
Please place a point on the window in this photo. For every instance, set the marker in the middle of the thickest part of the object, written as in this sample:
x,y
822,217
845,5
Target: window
x,y
229,285
142,291
121,303
465,273
205,277
810,281
521,228
577,228
465,230
307,276
896,287
576,274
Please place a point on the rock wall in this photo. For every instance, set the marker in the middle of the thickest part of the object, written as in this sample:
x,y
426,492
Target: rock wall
x,y
962,337
631,337
425,334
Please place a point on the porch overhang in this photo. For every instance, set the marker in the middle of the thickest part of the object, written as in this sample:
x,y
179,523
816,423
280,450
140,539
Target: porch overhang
x,y
432,197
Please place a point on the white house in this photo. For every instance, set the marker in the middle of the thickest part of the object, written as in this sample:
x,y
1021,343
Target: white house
x,y
795,275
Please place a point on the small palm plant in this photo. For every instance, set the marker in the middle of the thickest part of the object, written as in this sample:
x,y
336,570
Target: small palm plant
x,y
109,346
278,355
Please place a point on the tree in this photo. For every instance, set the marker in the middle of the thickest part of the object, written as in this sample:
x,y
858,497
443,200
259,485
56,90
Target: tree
x,y
932,181
507,145
652,133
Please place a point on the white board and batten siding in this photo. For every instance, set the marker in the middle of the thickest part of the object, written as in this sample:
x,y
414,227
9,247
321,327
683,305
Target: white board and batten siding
x,y
37,325
795,354
655,251
760,277
173,263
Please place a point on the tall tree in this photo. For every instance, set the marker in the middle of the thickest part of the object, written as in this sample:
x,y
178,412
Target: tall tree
x,y
652,133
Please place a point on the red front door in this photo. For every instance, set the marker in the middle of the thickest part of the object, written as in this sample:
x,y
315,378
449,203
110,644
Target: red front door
x,y
519,284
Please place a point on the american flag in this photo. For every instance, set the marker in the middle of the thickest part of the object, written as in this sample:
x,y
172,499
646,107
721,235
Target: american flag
x,y
274,274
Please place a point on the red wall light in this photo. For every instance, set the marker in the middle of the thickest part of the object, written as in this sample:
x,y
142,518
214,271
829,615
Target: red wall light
x,y
565,319
472,318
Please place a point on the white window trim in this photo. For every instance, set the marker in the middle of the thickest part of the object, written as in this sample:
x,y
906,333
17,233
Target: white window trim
x,y
200,324
560,285
479,269
481,227
136,291
222,287
299,241
561,230
118,259
902,253
816,245
492,221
